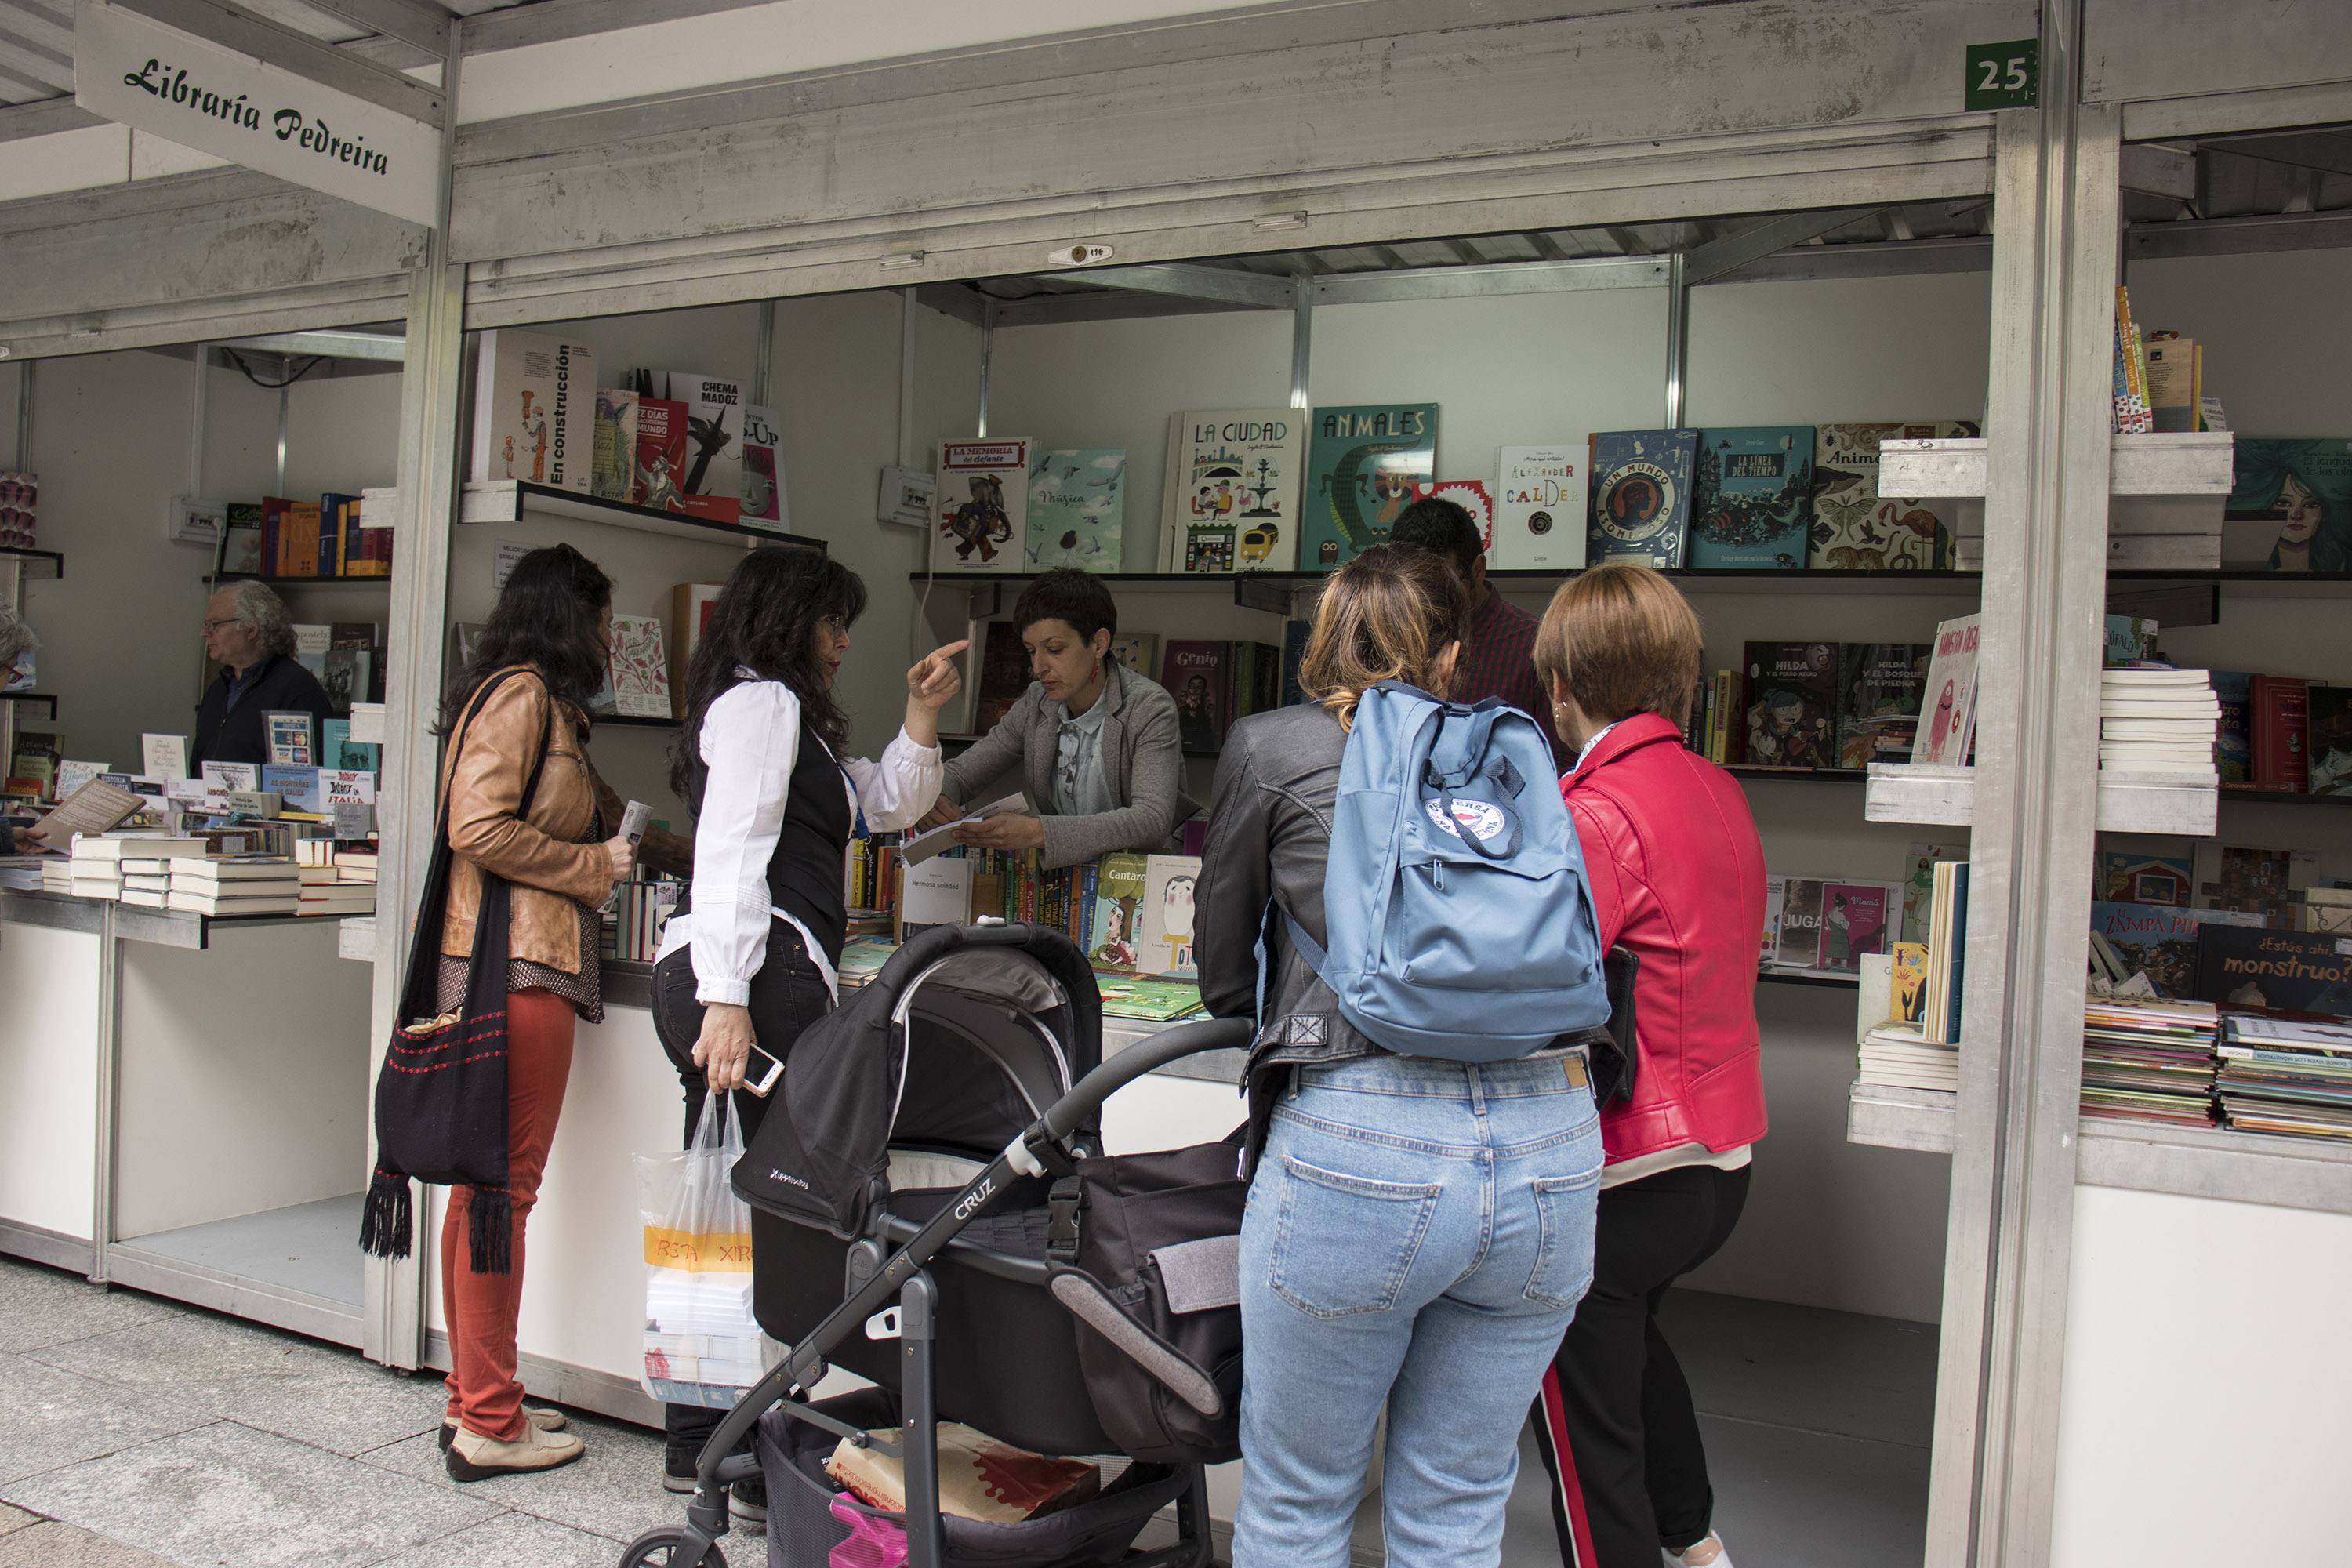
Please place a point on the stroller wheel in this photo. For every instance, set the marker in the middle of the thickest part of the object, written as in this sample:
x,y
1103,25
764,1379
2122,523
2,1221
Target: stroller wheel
x,y
660,1549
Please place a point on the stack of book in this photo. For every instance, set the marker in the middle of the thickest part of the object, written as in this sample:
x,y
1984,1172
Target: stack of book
x,y
2286,1075
636,916
2158,723
2146,1060
57,874
236,884
1899,1057
96,867
146,880
323,891
355,864
1947,937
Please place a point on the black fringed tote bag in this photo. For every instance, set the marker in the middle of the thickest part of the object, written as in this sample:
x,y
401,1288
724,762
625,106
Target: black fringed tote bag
x,y
441,1095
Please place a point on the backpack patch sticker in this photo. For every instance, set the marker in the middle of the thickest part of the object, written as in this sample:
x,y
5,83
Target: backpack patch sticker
x,y
1483,819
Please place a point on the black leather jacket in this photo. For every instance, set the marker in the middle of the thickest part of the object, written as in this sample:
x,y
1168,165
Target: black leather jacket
x,y
1269,836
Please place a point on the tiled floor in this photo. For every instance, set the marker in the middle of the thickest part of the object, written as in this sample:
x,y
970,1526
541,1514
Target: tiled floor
x,y
137,1434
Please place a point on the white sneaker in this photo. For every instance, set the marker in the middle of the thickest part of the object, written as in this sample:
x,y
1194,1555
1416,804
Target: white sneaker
x,y
1721,1559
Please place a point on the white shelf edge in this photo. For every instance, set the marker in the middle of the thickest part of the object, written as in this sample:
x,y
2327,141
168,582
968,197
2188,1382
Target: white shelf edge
x,y
356,937
1885,1117
2176,466
506,500
1931,797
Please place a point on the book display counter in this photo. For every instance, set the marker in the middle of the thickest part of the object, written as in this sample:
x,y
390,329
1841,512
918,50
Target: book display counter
x,y
171,1044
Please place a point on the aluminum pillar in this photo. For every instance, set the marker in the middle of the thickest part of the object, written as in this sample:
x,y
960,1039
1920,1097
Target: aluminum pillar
x,y
432,389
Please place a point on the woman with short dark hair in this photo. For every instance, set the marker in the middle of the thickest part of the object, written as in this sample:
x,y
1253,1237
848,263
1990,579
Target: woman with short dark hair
x,y
1097,743
525,805
752,956
1677,871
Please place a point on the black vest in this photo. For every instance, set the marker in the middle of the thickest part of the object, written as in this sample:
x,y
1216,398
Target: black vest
x,y
804,873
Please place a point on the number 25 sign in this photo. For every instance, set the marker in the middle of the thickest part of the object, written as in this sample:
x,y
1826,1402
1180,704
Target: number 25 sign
x,y
2003,75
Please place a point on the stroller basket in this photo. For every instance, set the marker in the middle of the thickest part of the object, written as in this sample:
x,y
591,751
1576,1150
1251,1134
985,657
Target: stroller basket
x,y
806,1510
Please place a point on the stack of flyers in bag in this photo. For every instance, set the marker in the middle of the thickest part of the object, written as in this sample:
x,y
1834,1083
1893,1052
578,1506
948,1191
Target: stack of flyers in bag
x,y
702,1343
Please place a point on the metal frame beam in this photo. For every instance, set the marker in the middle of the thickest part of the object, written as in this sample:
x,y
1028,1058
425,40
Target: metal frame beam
x,y
384,346
2328,151
1491,279
1224,285
1707,262
413,22
232,26
2159,171
2239,235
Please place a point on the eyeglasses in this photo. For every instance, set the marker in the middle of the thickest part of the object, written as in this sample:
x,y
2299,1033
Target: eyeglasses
x,y
212,626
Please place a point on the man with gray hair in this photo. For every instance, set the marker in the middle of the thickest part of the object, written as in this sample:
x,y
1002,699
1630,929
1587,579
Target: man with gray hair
x,y
247,632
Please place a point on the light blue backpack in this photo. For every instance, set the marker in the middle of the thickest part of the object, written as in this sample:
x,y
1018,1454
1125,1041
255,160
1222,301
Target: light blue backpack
x,y
1454,896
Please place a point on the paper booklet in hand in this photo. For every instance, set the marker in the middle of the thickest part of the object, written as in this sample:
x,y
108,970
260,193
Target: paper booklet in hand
x,y
96,807
923,845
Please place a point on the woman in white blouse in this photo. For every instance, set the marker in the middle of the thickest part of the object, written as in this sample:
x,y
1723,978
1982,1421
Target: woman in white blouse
x,y
751,957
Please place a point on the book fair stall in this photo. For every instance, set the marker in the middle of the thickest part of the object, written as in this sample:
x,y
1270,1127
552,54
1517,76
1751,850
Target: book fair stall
x,y
2051,985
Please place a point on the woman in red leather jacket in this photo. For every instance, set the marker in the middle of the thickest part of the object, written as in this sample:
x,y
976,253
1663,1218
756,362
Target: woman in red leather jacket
x,y
1677,877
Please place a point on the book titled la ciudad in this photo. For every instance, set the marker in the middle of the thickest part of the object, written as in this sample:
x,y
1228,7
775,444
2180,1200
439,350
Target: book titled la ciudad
x,y
1230,497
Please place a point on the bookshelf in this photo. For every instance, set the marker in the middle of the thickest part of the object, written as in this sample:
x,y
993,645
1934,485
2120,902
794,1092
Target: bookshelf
x,y
219,578
36,566
1944,797
42,696
505,501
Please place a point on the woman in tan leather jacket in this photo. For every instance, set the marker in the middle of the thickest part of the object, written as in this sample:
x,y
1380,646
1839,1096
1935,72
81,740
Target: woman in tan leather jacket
x,y
558,851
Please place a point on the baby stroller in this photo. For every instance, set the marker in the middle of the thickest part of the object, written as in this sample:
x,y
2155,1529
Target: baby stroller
x,y
978,1050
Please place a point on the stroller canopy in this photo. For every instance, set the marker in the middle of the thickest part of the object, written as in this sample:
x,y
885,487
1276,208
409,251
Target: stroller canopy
x,y
961,1041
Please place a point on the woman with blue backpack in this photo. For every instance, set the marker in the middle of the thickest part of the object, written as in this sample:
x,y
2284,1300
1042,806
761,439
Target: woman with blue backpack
x,y
1391,889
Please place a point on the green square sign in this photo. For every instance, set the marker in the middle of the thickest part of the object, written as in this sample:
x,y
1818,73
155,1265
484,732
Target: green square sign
x,y
2003,75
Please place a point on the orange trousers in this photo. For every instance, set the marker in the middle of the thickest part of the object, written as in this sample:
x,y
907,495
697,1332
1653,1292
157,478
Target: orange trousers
x,y
481,1308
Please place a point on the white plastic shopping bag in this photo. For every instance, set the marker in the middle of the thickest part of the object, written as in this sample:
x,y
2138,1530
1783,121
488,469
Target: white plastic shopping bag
x,y
703,1345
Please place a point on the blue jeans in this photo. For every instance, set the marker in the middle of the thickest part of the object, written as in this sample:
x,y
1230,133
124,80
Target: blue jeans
x,y
1419,1232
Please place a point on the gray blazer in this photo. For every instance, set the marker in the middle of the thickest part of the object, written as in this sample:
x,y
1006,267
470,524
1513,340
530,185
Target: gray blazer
x,y
1143,763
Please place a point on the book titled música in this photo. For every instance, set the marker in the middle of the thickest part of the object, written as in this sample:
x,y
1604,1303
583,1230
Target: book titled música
x,y
1230,498
1198,675
2290,506
982,510
1168,884
1364,465
764,499
1879,691
1752,498
1948,711
612,475
711,483
1078,508
534,409
1791,705
1641,506
1539,496
1855,529
639,668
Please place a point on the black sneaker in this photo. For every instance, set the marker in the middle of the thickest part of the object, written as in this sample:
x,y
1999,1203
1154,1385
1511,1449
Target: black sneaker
x,y
678,1472
747,1502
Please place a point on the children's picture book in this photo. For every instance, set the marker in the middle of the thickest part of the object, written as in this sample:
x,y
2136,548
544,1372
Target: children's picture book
x,y
710,485
2155,940
1539,496
2260,882
2129,877
1230,501
1792,703
1879,689
345,786
1948,712
1752,498
1136,651
1854,529
2302,971
2328,713
1004,677
1641,508
2290,506
1364,465
1168,884
1471,496
2234,734
764,496
639,668
983,506
1156,1000
2129,638
1115,929
1909,983
1078,508
612,476
534,409
660,455
291,742
1855,921
1196,673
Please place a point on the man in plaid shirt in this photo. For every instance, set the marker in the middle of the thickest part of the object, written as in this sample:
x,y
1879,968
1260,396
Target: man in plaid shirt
x,y
1498,658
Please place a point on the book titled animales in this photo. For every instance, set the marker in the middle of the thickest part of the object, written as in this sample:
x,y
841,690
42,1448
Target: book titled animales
x,y
1365,464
